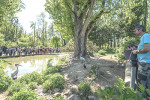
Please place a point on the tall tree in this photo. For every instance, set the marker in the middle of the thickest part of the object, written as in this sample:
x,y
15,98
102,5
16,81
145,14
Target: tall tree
x,y
33,26
80,16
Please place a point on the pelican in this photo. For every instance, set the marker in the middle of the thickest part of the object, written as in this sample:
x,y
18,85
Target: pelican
x,y
14,74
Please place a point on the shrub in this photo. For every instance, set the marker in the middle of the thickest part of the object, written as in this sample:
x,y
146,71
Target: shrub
x,y
69,47
16,87
41,98
49,63
61,60
58,98
102,52
46,77
31,77
25,94
8,98
92,70
119,92
123,43
52,70
92,47
32,85
101,73
54,81
84,87
5,82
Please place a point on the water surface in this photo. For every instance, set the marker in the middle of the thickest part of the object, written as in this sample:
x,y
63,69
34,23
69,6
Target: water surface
x,y
28,64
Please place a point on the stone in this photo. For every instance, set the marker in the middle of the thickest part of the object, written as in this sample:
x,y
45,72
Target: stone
x,y
45,90
56,90
57,94
74,90
74,97
68,92
91,97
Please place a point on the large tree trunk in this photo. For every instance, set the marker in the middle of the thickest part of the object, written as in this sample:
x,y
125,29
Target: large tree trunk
x,y
83,26
77,48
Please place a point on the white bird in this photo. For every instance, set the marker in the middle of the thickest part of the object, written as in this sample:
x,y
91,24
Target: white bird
x,y
14,74
83,61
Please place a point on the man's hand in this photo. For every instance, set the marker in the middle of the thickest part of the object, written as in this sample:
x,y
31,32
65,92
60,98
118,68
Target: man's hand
x,y
135,51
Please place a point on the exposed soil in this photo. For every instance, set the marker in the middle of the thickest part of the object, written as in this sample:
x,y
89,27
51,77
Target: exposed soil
x,y
74,73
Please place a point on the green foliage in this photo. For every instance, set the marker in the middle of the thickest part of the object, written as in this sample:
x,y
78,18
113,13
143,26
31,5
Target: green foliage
x,y
32,85
31,77
16,87
84,87
101,73
1,68
55,40
119,92
69,47
55,81
41,98
49,63
2,39
102,52
52,70
61,60
123,45
5,82
8,98
25,94
91,46
58,98
92,70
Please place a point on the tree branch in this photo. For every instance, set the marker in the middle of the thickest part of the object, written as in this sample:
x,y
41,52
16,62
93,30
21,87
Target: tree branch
x,y
98,16
85,25
69,6
85,8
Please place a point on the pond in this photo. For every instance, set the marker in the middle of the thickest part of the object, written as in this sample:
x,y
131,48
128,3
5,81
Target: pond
x,y
29,64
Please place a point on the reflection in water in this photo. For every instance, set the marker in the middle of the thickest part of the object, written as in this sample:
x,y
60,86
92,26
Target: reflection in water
x,y
54,62
29,64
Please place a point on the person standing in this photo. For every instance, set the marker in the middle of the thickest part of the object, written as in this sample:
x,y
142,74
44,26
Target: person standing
x,y
143,55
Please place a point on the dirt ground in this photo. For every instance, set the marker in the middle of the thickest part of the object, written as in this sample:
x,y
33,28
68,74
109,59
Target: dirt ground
x,y
74,73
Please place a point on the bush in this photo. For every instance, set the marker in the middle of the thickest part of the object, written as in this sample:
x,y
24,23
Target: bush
x,y
31,77
8,98
32,85
102,52
92,71
119,92
41,98
16,87
46,77
91,47
123,43
5,82
58,98
25,94
61,60
84,87
54,81
52,70
69,47
49,63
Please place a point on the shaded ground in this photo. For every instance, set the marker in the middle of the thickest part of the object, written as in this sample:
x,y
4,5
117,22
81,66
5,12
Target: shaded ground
x,y
74,73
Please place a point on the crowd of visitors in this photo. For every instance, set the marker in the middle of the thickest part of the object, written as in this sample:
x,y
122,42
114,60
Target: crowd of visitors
x,y
18,51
